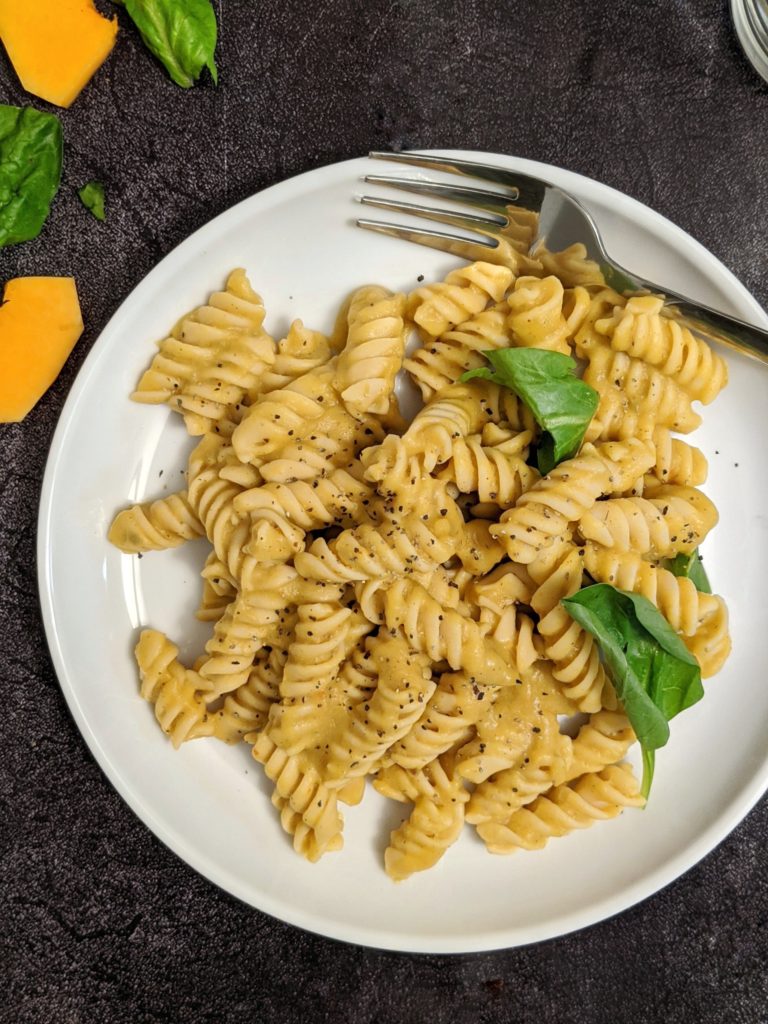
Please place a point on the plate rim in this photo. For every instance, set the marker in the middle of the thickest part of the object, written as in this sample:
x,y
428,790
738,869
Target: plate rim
x,y
370,936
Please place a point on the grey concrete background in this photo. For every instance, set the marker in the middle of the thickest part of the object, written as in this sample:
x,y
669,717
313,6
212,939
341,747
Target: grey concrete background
x,y
98,921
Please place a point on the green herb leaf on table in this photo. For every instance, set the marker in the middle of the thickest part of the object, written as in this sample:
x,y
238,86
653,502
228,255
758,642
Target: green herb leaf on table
x,y
691,566
655,675
30,171
180,33
562,404
92,198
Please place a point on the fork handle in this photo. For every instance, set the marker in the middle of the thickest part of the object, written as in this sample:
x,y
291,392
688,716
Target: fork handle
x,y
729,330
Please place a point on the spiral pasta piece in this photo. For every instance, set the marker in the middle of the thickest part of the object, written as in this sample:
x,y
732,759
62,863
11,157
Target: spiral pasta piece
x,y
576,660
216,573
443,634
455,706
514,630
479,551
435,823
640,330
626,460
465,292
300,351
535,317
497,477
373,354
245,710
237,472
404,684
402,543
304,842
313,655
357,676
449,586
503,587
506,731
325,634
711,643
446,586
677,462
308,809
332,442
257,617
584,308
302,430
635,398
591,798
577,303
273,537
313,504
441,361
602,741
276,417
211,358
219,589
572,266
544,512
212,604
676,597
675,519
281,513
498,797
352,792
212,500
405,785
172,689
520,234
156,525
458,411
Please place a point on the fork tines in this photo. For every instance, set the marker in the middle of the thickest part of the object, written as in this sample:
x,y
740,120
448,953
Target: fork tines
x,y
516,191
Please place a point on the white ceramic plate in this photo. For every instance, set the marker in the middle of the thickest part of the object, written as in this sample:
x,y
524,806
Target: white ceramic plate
x,y
208,802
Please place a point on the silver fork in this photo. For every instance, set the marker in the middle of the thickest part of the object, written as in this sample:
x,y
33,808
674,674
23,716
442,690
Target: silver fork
x,y
562,220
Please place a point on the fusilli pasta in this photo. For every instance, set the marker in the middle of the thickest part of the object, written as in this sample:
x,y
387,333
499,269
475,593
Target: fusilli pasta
x,y
211,358
386,597
369,362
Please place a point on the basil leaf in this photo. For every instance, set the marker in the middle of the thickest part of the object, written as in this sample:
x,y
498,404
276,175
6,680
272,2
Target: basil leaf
x,y
30,171
561,403
655,675
180,33
649,766
690,565
618,279
92,198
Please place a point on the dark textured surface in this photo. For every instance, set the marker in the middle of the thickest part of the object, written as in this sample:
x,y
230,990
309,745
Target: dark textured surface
x,y
99,922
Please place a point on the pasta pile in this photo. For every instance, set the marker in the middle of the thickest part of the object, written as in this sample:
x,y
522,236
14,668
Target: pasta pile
x,y
386,596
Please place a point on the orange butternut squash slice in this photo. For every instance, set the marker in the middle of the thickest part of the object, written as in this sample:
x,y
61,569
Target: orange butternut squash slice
x,y
56,46
40,322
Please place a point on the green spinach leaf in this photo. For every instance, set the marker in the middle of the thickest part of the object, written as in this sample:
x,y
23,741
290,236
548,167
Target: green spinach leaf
x,y
180,33
562,404
655,675
690,565
30,171
92,198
